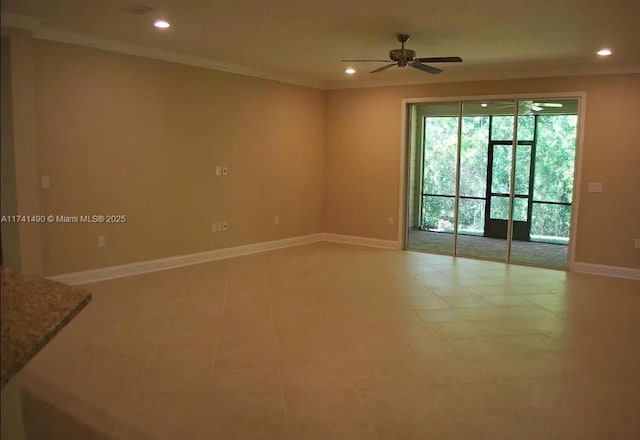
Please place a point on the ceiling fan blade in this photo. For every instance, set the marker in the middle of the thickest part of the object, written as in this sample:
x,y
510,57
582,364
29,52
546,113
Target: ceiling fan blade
x,y
425,68
548,104
364,61
380,69
440,60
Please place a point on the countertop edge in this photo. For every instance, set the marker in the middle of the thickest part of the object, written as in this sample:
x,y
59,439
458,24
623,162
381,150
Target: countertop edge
x,y
19,365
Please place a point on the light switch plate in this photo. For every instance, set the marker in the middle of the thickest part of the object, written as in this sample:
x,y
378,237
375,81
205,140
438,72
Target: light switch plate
x,y
45,182
595,187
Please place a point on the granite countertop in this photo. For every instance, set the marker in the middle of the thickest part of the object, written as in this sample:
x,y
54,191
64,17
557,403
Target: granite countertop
x,y
33,311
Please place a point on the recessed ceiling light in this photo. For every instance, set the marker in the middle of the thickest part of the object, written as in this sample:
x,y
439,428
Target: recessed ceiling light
x,y
604,52
484,104
161,24
350,71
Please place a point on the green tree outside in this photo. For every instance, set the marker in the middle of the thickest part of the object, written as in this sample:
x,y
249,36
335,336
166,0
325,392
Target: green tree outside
x,y
553,178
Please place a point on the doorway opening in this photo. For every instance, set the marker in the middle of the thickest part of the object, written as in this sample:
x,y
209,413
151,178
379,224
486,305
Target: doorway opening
x,y
493,179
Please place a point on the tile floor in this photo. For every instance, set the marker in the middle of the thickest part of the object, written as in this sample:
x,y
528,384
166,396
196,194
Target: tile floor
x,y
329,341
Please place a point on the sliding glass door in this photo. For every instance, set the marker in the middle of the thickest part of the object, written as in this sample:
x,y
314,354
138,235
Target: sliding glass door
x,y
493,179
433,165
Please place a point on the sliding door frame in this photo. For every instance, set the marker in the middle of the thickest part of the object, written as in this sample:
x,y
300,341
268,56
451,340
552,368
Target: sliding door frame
x,y
405,147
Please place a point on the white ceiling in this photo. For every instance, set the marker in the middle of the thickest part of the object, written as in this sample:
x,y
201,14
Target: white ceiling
x,y
303,41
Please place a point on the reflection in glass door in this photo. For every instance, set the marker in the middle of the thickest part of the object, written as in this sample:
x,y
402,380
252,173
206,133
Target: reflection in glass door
x,y
493,179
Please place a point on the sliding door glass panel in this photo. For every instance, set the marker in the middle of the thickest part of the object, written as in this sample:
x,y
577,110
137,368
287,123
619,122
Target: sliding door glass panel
x,y
484,178
526,127
551,168
501,169
473,174
499,208
438,129
502,126
471,216
523,170
520,209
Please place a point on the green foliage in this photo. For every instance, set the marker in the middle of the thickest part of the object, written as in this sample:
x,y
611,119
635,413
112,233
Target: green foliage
x,y
553,176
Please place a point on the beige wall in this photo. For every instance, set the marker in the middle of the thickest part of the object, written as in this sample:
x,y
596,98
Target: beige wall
x,y
363,150
8,198
25,148
119,134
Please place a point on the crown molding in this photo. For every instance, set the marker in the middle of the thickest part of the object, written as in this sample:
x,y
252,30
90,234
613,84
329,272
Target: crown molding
x,y
495,76
51,34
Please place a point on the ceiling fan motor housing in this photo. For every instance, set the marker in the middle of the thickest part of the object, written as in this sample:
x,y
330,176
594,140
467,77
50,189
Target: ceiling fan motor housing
x,y
402,56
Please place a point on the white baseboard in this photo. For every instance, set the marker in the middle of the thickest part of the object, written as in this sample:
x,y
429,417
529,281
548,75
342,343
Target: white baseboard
x,y
106,273
611,271
125,270
361,241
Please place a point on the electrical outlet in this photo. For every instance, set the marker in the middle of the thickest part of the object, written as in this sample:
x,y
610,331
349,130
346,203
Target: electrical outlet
x,y
225,171
213,227
276,220
45,182
390,221
225,226
102,241
219,226
218,170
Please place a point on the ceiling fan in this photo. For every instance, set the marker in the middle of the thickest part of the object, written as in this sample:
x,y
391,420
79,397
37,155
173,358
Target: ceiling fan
x,y
533,106
406,57
539,106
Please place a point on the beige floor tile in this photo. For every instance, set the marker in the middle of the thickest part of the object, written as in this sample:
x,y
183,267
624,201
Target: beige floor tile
x,y
317,408
462,302
494,289
336,341
491,313
472,348
483,399
453,291
248,351
454,330
529,312
442,315
507,300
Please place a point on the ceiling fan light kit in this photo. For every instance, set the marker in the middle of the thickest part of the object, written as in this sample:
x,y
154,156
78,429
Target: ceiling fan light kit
x,y
407,57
